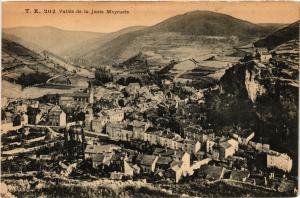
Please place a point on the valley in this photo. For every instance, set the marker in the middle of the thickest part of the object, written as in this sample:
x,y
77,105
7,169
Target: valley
x,y
200,104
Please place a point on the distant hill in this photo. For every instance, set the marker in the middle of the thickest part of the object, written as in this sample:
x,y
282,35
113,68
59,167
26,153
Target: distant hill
x,y
290,32
70,45
25,73
192,34
209,23
18,60
52,39
272,27
87,46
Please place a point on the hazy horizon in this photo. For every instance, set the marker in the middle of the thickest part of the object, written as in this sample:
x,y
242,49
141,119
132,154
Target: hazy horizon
x,y
44,26
140,13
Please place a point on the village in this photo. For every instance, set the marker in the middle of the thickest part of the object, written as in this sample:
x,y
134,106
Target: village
x,y
136,129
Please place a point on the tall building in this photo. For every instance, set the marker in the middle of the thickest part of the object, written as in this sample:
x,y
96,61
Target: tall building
x,y
57,117
88,120
91,93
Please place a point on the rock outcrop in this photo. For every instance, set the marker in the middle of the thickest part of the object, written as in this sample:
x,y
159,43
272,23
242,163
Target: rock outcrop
x,y
263,97
248,79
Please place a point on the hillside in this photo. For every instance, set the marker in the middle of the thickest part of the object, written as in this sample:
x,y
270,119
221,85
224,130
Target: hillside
x,y
210,24
272,27
75,53
197,34
23,66
18,60
281,36
191,35
52,39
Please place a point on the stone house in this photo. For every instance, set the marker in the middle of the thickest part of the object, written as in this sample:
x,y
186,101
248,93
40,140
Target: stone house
x,y
148,163
226,150
57,117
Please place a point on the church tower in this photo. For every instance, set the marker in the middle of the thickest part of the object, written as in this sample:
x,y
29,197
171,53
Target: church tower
x,y
89,116
91,93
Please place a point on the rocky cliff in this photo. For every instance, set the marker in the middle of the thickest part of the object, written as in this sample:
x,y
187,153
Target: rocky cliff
x,y
248,79
263,97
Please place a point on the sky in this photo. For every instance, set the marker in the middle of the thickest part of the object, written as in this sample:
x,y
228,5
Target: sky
x,y
137,13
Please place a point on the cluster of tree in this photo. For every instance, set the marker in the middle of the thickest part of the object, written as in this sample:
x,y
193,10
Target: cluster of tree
x,y
21,164
32,112
103,104
32,78
74,143
49,98
125,81
179,90
61,190
103,75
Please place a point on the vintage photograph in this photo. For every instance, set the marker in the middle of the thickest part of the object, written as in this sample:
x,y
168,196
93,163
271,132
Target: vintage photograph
x,y
149,99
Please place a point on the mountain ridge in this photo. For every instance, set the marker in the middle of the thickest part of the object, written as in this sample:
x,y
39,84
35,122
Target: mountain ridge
x,y
186,30
193,24
94,43
51,38
287,33
206,18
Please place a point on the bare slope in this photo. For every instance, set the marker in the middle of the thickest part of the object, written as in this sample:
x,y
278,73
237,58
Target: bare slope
x,y
191,34
52,39
17,59
23,66
87,46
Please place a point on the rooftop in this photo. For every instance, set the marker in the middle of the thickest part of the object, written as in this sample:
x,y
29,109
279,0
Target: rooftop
x,y
101,148
193,129
152,129
211,172
225,145
133,85
76,94
164,160
117,125
189,141
56,110
148,160
244,133
98,157
239,175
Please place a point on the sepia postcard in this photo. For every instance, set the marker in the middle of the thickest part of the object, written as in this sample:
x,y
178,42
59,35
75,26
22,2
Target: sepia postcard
x,y
149,99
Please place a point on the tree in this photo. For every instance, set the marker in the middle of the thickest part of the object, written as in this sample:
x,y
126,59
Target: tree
x,y
80,116
17,120
33,78
103,75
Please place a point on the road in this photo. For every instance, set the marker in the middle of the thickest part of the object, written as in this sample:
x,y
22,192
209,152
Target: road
x,y
86,132
56,76
184,70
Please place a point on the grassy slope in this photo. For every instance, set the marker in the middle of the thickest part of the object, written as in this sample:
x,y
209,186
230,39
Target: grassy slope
x,y
16,59
283,35
53,39
193,24
89,45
